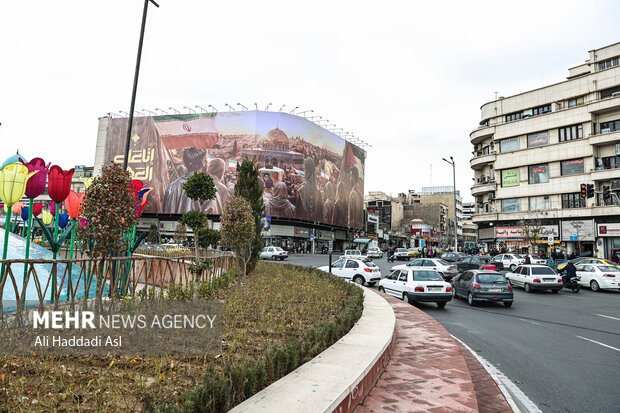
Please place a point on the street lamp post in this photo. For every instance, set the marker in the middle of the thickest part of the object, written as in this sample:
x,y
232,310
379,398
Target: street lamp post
x,y
135,81
451,162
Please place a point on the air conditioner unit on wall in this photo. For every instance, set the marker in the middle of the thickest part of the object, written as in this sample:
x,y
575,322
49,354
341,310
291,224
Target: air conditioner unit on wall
x,y
484,179
615,184
491,196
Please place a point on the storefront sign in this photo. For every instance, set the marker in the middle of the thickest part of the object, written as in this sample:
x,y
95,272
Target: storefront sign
x,y
509,233
546,231
510,177
608,230
578,230
487,234
302,232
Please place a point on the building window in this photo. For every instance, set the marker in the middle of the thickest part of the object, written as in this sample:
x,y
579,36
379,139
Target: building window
x,y
541,109
511,205
510,144
510,177
611,92
606,64
537,139
486,150
538,203
608,162
574,166
569,133
539,174
611,126
573,201
484,123
575,102
514,116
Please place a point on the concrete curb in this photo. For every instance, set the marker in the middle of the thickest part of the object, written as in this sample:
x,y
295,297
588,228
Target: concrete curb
x,y
341,376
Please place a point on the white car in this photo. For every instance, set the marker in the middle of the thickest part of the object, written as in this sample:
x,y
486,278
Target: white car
x,y
446,269
360,271
533,259
535,277
402,254
374,252
599,276
353,254
510,261
273,253
417,285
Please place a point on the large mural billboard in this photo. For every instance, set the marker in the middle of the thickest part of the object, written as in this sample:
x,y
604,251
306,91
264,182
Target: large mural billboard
x,y
306,171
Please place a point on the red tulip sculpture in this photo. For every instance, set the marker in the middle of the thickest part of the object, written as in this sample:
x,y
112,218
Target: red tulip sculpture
x,y
34,187
73,203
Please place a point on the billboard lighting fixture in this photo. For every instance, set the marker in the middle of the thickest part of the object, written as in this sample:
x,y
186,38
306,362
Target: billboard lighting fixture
x,y
213,107
256,105
171,108
150,111
294,109
122,112
191,110
138,112
329,124
231,108
305,111
281,107
239,104
162,111
201,108
112,114
267,107
313,117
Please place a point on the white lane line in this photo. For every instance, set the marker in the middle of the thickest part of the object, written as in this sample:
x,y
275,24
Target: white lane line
x,y
599,343
517,400
529,321
608,316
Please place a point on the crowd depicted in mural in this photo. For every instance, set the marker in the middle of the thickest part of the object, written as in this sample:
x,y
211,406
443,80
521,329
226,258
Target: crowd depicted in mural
x,y
306,172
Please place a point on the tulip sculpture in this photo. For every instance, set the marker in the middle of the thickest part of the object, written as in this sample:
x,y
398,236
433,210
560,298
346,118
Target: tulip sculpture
x,y
17,210
13,180
74,208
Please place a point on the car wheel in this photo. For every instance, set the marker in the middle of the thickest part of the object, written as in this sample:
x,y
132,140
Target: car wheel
x,y
594,286
282,259
406,298
512,267
441,304
358,279
470,299
526,287
273,257
381,289
507,304
371,284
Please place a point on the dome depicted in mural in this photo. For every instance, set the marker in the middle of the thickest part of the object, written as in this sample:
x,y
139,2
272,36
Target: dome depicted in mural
x,y
275,139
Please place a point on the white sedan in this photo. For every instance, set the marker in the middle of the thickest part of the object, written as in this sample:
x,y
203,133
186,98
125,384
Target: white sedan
x,y
273,253
535,277
446,269
597,277
533,259
361,272
417,285
510,261
374,252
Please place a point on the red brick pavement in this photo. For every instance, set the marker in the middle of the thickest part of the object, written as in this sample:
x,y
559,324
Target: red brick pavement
x,y
428,373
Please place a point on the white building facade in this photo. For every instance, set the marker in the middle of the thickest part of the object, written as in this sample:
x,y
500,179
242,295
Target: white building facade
x,y
532,151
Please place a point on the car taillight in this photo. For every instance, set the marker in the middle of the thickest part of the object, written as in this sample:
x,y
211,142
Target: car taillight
x,y
419,289
476,287
451,268
509,287
609,275
448,289
367,270
560,280
536,280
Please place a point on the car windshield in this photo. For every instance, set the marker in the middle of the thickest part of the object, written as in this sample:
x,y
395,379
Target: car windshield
x,y
542,271
373,249
369,263
353,252
608,268
444,262
426,276
401,250
279,249
491,279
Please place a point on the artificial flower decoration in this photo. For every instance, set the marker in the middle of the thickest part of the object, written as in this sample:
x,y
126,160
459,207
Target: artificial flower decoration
x,y
88,181
17,208
83,223
74,203
24,213
140,208
13,159
59,183
36,184
37,208
63,220
137,186
46,217
52,207
13,180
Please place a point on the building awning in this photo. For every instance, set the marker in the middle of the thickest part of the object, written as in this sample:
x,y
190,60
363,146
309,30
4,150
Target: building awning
x,y
362,240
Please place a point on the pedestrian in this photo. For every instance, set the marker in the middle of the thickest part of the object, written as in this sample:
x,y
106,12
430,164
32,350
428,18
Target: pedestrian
x,y
424,251
527,259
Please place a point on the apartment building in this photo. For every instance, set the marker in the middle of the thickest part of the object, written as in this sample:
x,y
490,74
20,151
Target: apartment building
x,y
534,149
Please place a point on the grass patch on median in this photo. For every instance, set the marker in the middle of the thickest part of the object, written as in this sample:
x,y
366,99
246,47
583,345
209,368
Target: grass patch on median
x,y
274,320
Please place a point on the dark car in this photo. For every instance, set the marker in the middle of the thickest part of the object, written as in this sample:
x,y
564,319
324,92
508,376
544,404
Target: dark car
x,y
477,262
479,285
453,256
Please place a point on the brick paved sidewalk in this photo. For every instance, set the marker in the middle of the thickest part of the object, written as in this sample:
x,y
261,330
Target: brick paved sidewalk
x,y
427,371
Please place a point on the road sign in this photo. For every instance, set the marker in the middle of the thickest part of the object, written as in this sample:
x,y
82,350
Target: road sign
x,y
331,246
312,235
550,240
573,238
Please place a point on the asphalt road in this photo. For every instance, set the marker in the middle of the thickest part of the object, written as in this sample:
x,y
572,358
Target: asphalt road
x,y
562,350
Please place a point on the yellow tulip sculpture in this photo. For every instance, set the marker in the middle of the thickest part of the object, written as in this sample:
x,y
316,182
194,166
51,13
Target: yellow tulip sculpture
x,y
13,179
88,181
46,217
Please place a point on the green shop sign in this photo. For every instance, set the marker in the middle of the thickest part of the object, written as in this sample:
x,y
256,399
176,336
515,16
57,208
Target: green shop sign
x,y
510,177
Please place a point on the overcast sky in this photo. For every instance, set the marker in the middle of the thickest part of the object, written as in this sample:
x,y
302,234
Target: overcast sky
x,y
407,77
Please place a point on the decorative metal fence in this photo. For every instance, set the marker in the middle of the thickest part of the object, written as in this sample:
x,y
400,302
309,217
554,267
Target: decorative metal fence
x,y
28,283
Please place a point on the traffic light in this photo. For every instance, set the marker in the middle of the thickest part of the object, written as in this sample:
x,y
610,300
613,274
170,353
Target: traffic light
x,y
583,191
590,191
606,192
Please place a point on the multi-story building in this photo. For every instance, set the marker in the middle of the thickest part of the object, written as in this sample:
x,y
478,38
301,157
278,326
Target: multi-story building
x,y
470,235
445,195
533,150
389,213
468,210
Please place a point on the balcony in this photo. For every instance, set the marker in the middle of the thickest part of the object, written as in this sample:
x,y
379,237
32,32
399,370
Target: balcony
x,y
481,133
605,138
605,174
483,188
604,105
478,162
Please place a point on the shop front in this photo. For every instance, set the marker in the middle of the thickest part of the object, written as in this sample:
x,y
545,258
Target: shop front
x,y
511,239
608,240
486,239
547,240
578,237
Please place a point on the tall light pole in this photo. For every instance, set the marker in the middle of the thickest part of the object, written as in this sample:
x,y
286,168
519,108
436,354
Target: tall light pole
x,y
135,81
451,162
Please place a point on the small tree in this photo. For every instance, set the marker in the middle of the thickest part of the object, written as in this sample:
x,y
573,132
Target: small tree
x,y
110,210
248,187
208,237
153,235
238,232
194,220
199,187
180,232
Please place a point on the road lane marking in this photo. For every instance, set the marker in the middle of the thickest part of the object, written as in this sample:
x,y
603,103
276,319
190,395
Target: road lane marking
x,y
608,316
599,343
531,322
